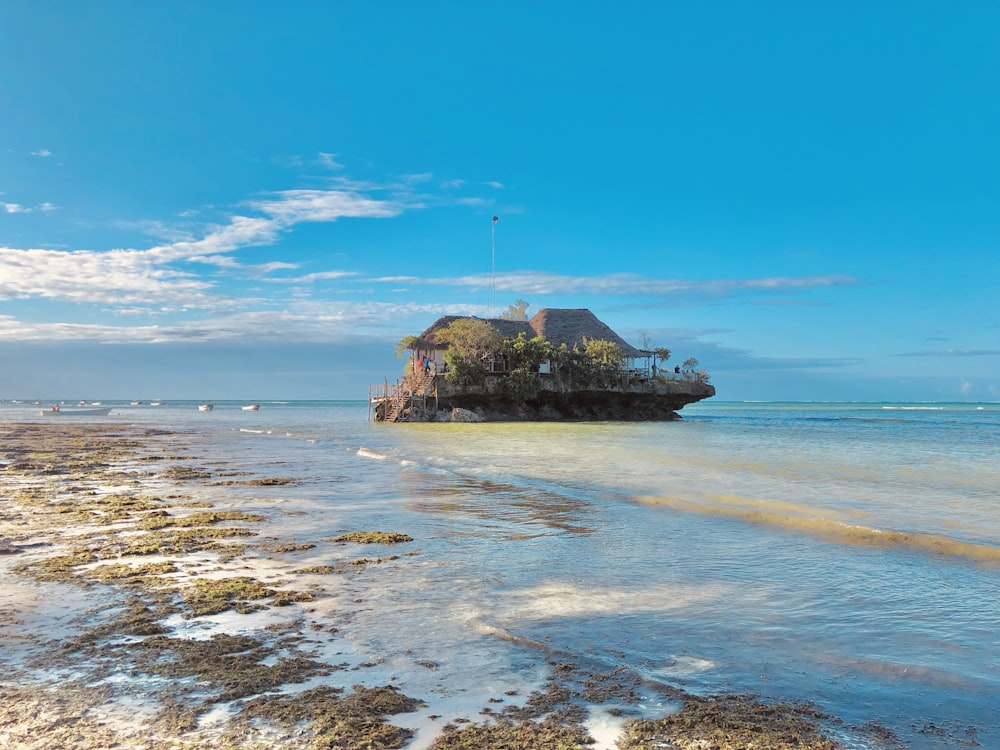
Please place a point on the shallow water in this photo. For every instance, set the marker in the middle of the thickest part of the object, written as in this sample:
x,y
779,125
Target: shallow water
x,y
847,554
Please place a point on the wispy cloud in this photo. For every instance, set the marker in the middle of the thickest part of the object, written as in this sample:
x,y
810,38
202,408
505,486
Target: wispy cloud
x,y
116,277
275,265
719,358
539,283
303,322
163,275
329,161
953,353
311,277
43,152
420,177
290,207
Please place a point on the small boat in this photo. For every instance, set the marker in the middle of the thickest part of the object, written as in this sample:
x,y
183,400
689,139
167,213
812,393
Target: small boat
x,y
135,403
206,407
250,407
156,403
55,411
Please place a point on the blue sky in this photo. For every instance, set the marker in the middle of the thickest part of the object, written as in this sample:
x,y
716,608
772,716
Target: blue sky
x,y
257,200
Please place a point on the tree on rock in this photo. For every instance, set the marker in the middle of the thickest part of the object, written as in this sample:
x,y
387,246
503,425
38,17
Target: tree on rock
x,y
471,342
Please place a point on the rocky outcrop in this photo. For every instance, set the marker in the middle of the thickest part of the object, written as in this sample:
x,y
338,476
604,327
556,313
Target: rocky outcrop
x,y
647,400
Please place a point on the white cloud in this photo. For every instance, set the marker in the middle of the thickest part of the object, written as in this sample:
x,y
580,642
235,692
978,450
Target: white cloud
x,y
290,207
130,277
46,206
329,161
533,282
117,277
275,265
953,353
421,177
311,277
43,152
307,321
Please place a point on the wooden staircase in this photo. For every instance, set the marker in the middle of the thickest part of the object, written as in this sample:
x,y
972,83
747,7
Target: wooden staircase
x,y
416,385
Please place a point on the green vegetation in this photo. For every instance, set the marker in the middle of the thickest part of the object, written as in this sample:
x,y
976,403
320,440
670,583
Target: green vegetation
x,y
470,344
475,349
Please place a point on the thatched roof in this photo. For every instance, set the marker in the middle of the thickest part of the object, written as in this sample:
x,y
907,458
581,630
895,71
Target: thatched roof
x,y
573,327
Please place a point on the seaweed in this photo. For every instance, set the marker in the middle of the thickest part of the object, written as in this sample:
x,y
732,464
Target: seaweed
x,y
731,722
373,537
335,720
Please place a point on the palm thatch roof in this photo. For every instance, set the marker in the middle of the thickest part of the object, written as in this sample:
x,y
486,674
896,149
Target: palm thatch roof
x,y
573,327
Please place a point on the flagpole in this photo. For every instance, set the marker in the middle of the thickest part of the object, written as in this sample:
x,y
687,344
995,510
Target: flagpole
x,y
493,266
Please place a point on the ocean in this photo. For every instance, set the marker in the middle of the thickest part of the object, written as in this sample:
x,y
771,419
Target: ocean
x,y
843,554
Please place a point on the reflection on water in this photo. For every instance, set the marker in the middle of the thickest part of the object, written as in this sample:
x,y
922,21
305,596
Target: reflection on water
x,y
500,508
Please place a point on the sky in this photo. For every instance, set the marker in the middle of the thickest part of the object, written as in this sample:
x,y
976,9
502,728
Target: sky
x,y
256,200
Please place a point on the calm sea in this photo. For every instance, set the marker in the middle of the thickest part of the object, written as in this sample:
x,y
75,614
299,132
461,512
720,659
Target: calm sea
x,y
847,554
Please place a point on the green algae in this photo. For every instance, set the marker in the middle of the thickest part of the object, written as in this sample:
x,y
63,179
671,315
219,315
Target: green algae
x,y
58,567
266,482
275,547
203,518
184,473
373,537
214,595
335,720
228,666
524,735
731,722
349,566
144,574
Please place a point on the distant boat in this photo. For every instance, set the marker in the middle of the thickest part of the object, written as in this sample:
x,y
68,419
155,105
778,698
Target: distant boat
x,y
206,407
251,407
155,403
136,403
55,411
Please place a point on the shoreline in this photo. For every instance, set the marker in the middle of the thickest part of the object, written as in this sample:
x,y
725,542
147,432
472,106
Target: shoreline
x,y
144,600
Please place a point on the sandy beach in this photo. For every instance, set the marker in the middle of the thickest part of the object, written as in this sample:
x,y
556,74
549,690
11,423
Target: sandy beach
x,y
145,605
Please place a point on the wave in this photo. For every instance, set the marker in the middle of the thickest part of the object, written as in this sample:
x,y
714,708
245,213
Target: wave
x,y
365,453
832,530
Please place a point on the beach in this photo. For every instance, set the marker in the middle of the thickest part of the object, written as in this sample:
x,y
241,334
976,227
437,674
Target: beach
x,y
109,557
231,584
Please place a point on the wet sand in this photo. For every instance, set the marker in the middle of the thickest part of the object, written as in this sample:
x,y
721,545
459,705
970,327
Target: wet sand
x,y
142,607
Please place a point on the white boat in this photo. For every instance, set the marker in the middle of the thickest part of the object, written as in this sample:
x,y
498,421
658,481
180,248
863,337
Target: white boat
x,y
156,403
57,412
205,407
250,407
135,403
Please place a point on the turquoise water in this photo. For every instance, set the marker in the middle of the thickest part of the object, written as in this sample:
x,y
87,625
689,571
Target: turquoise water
x,y
848,554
